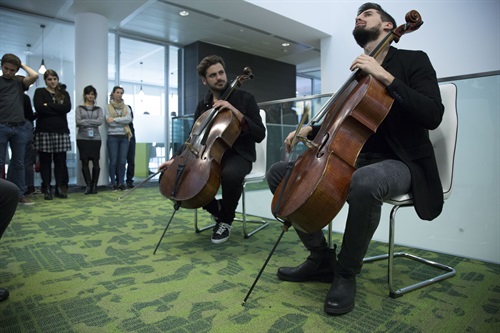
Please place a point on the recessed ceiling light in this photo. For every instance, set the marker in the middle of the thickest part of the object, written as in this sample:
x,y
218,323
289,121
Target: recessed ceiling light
x,y
285,44
184,13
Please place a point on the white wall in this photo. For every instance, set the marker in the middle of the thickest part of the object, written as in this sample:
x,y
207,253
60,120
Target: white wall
x,y
460,38
452,33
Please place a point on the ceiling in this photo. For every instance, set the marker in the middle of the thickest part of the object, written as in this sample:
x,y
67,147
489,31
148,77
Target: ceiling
x,y
234,24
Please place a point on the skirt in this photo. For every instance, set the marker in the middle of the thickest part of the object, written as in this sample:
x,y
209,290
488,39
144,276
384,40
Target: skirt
x,y
52,142
89,149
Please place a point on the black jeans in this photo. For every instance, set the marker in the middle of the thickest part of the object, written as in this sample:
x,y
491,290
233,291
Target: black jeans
x,y
234,168
9,197
130,161
372,183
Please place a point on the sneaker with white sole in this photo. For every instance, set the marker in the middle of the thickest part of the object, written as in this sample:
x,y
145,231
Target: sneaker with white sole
x,y
221,233
25,201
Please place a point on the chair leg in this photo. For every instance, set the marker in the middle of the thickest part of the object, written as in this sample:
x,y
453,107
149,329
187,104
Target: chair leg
x,y
198,230
245,220
450,271
262,223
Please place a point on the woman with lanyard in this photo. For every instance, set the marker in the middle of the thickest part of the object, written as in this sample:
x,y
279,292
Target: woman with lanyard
x,y
88,119
118,117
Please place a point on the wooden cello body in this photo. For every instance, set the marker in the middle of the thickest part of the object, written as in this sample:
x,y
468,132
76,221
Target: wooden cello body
x,y
321,175
193,178
316,186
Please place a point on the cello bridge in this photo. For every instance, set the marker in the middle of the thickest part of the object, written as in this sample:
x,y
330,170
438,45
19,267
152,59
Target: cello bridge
x,y
308,143
192,149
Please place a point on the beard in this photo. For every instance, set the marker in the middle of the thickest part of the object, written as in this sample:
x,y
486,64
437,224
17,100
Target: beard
x,y
219,86
364,36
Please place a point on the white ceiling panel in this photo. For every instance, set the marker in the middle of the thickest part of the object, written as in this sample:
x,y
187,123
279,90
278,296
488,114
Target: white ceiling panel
x,y
235,24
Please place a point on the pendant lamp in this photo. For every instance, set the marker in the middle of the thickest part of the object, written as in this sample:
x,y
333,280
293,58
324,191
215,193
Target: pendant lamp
x,y
42,68
141,92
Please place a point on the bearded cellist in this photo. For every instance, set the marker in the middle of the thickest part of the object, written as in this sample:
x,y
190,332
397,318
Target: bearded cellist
x,y
237,161
397,159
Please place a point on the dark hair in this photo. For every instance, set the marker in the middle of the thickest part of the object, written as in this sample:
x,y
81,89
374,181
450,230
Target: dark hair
x,y
87,90
11,59
60,88
386,17
115,88
206,62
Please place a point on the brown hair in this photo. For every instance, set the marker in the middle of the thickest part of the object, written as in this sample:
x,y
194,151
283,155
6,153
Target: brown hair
x,y
206,62
115,88
60,88
11,59
385,16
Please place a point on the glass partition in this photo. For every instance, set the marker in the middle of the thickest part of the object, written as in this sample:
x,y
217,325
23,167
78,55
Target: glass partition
x,y
283,116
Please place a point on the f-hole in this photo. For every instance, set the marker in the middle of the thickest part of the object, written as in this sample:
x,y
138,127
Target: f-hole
x,y
320,153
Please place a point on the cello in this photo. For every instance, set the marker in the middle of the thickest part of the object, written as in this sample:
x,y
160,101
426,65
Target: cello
x,y
193,178
321,176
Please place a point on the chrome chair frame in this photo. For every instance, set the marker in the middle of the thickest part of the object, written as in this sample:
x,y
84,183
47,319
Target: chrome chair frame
x,y
444,142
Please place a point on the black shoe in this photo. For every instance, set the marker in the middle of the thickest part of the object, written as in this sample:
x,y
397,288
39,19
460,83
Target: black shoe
x,y
221,233
341,296
317,267
130,185
4,294
121,187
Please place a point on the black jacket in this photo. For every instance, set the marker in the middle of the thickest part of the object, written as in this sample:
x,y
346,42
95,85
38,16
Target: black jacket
x,y
252,129
417,108
51,118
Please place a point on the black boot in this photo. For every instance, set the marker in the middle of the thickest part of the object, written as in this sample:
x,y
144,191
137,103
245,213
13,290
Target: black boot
x,y
318,266
88,189
4,294
47,192
341,296
95,179
87,179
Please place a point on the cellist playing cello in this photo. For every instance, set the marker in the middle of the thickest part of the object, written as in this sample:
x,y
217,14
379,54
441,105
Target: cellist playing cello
x,y
237,161
397,159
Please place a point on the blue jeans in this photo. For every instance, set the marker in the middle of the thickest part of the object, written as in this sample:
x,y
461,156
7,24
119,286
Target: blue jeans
x,y
29,162
373,182
17,137
117,152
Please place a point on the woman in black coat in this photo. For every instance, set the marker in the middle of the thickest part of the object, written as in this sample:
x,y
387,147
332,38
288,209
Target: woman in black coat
x,y
52,140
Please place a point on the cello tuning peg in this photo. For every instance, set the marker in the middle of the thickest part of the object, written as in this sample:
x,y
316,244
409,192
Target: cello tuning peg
x,y
248,71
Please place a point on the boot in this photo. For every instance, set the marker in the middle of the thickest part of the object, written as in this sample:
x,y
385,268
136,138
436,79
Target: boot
x,y
95,179
47,192
61,191
341,296
319,266
87,179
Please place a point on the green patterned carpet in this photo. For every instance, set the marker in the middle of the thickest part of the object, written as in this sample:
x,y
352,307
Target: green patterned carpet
x,y
86,264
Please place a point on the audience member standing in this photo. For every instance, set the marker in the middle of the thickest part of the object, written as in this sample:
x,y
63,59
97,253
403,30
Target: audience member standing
x,y
131,154
14,130
30,154
88,119
118,117
52,141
